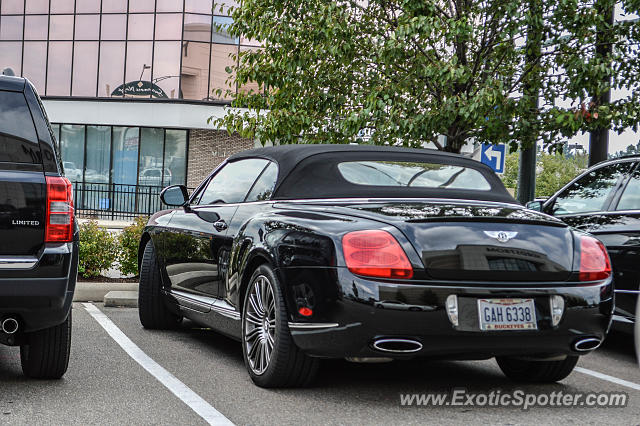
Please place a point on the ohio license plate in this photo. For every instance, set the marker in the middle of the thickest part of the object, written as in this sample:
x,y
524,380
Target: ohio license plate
x,y
507,314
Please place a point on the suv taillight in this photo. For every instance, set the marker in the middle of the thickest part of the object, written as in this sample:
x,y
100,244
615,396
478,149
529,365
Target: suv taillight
x,y
59,224
375,253
594,260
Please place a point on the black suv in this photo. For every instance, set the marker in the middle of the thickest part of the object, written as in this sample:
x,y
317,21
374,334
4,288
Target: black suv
x,y
605,201
38,235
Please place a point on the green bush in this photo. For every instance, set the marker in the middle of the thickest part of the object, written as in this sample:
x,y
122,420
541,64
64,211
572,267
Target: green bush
x,y
128,242
97,249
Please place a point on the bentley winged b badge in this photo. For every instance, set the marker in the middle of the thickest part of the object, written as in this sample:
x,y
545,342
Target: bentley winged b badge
x,y
501,236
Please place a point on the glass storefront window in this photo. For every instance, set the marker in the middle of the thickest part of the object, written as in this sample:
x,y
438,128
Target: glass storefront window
x,y
151,147
88,6
98,154
161,161
61,27
87,27
221,58
37,6
11,27
197,27
111,67
59,68
11,55
114,6
220,28
166,67
142,6
195,70
169,6
139,57
35,63
140,27
36,27
199,6
168,26
12,6
175,158
72,151
62,6
114,27
125,155
85,68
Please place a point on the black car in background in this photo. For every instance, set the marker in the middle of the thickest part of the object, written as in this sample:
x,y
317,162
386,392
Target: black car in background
x,y
38,235
306,252
605,201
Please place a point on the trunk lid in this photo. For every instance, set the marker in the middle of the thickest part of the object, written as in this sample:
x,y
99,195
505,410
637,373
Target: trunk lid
x,y
22,212
483,241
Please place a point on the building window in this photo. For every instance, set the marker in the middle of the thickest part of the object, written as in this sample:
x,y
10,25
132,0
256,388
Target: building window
x,y
149,49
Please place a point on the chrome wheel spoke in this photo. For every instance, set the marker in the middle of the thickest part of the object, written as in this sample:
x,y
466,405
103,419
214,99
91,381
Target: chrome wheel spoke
x,y
252,335
253,319
255,305
270,341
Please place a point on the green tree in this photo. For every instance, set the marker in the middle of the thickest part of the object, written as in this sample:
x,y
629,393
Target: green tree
x,y
553,171
411,70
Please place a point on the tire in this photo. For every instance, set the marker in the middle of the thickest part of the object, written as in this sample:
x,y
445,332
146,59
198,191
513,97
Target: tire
x,y
521,370
285,365
46,353
152,309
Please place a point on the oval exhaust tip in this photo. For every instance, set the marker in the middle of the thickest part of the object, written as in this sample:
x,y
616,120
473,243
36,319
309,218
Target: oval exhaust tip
x,y
588,344
398,346
10,325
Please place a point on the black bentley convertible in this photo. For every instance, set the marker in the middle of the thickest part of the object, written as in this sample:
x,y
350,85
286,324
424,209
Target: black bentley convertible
x,y
304,252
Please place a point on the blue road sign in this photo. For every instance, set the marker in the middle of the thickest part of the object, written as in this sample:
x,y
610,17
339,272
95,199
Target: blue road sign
x,y
493,156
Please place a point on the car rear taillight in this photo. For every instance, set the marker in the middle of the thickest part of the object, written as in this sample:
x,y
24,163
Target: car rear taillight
x,y
594,260
375,253
59,224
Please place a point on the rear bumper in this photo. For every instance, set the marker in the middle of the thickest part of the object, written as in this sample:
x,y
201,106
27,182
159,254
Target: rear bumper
x,y
348,320
41,297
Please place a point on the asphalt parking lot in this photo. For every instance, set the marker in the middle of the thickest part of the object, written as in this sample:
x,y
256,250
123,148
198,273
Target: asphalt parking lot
x,y
105,385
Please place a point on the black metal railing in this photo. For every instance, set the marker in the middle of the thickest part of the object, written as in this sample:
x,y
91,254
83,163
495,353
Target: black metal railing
x,y
115,201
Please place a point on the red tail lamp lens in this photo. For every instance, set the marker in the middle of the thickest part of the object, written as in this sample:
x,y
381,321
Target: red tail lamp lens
x,y
594,260
375,253
59,221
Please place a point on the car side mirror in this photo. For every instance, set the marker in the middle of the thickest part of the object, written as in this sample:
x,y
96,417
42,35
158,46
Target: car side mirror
x,y
535,205
175,195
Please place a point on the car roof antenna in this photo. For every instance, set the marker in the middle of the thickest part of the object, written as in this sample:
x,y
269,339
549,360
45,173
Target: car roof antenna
x,y
9,72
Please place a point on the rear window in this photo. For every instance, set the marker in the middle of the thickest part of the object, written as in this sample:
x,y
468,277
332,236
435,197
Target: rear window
x,y
413,174
18,140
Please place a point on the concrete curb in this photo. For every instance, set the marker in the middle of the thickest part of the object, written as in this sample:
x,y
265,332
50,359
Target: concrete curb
x,y
121,298
95,292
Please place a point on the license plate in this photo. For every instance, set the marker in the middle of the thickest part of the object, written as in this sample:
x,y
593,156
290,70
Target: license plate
x,y
507,314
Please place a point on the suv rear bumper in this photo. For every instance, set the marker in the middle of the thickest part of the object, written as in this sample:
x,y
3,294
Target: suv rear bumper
x,y
37,300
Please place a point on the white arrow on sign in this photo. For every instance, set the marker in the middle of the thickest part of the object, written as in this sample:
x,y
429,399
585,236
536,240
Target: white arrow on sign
x,y
491,153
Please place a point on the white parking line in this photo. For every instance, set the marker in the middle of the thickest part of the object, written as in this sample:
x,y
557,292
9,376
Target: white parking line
x,y
179,389
608,378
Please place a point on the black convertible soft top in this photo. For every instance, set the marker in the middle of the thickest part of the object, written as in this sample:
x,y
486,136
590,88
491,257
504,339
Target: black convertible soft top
x,y
310,171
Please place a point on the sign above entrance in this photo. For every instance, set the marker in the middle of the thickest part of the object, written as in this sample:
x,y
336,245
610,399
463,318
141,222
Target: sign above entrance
x,y
139,88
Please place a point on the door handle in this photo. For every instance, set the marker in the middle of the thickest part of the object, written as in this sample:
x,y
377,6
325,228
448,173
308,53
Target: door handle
x,y
220,225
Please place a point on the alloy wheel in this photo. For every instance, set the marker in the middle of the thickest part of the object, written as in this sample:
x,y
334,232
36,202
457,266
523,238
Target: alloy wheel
x,y
260,324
